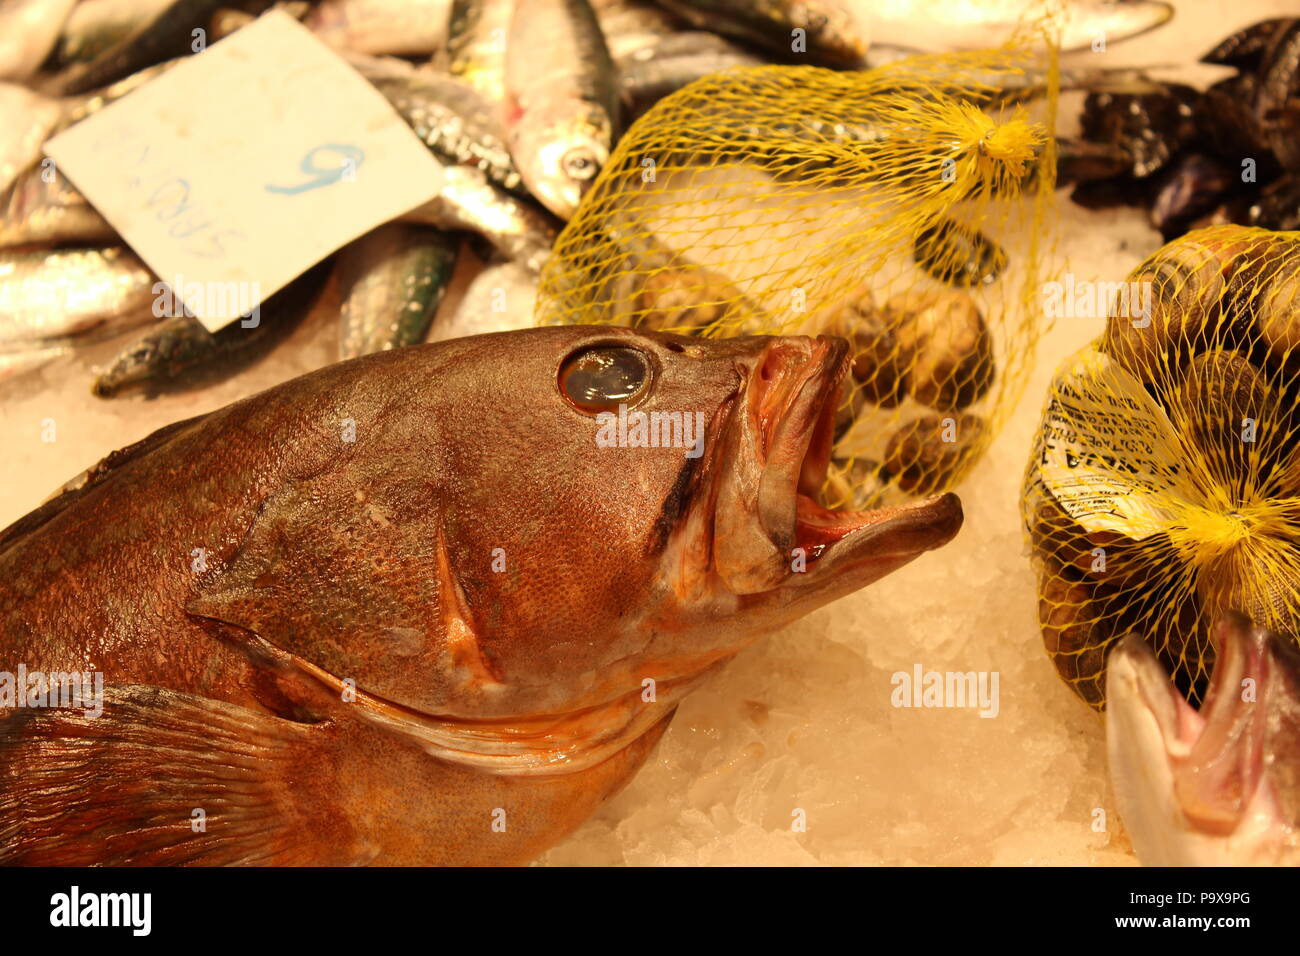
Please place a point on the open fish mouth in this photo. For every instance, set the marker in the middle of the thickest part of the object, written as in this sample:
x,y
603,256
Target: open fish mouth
x,y
1214,759
772,526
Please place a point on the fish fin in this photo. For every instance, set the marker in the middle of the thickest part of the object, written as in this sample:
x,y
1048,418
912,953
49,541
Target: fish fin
x,y
82,483
122,788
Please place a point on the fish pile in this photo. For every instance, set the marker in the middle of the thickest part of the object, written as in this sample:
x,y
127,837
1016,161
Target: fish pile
x,y
1162,490
523,129
1193,158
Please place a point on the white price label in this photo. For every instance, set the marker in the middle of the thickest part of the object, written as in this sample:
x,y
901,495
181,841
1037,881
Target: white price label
x,y
243,166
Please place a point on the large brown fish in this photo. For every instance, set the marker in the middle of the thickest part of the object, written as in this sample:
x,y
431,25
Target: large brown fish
x,y
413,608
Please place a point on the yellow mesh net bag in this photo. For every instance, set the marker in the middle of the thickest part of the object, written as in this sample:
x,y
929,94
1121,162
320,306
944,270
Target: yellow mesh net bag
x,y
1164,486
904,208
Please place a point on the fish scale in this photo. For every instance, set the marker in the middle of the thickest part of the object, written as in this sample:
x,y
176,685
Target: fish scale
x,y
391,281
455,123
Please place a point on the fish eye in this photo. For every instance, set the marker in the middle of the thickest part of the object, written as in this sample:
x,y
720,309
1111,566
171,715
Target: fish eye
x,y
579,163
601,377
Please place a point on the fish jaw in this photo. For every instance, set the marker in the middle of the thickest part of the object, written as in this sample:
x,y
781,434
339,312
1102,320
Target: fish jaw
x,y
1201,788
773,543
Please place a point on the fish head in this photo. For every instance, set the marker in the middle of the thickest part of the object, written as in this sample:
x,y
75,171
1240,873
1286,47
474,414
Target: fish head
x,y
666,511
1218,786
561,151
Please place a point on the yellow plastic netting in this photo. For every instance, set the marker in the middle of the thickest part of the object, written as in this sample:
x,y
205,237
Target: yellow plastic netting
x,y
904,208
1164,486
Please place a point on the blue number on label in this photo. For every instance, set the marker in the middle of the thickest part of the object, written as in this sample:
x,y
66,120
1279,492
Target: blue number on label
x,y
353,157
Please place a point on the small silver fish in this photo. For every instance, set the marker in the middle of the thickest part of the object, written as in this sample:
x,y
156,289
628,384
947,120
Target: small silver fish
x,y
831,32
405,27
454,121
501,298
630,26
179,352
476,45
29,29
95,25
562,110
26,121
654,71
52,295
936,26
43,208
165,35
515,227
391,281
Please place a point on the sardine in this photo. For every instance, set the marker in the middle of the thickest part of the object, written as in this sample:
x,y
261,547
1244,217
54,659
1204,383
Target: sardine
x,y
52,295
423,607
501,298
29,29
77,108
1214,787
831,32
476,46
391,281
43,208
19,361
632,26
937,26
516,228
167,34
650,74
455,122
26,121
406,27
95,25
179,352
562,111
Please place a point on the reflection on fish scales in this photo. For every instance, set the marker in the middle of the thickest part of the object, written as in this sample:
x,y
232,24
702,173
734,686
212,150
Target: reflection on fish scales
x,y
362,655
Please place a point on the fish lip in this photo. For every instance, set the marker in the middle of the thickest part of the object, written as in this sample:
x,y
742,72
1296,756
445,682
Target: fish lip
x,y
792,393
884,536
791,400
1134,675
